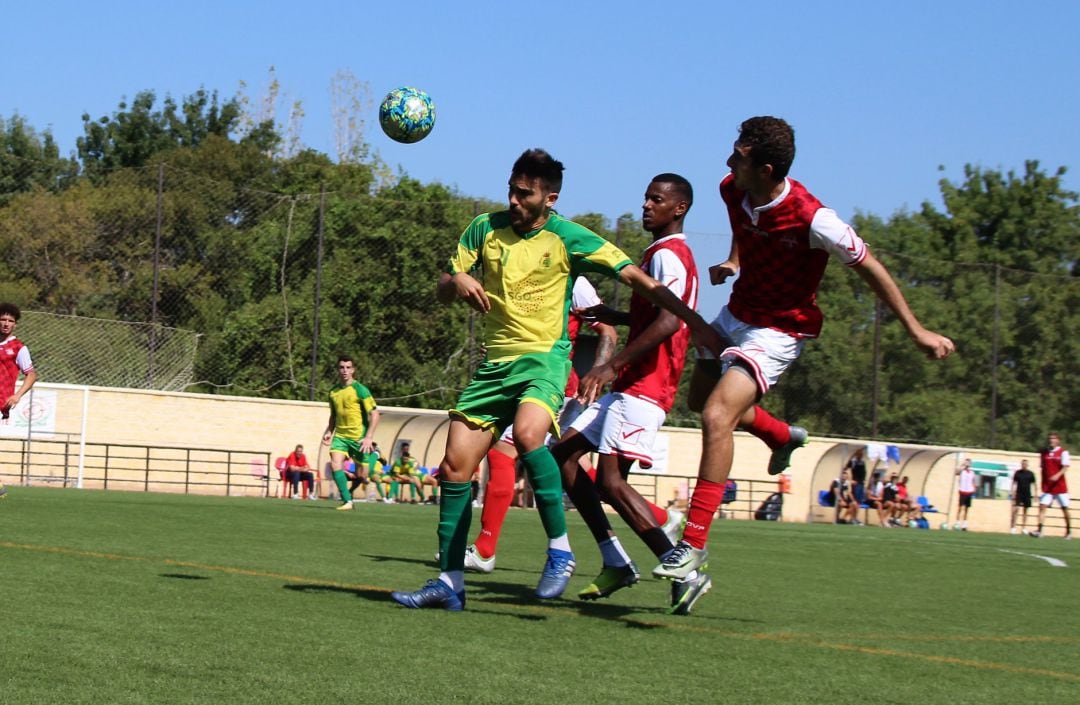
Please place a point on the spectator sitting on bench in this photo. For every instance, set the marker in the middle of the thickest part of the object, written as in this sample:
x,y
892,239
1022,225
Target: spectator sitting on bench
x,y
907,509
298,470
874,498
840,496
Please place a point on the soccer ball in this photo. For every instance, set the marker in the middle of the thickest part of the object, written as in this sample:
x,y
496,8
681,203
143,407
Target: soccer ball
x,y
407,114
945,526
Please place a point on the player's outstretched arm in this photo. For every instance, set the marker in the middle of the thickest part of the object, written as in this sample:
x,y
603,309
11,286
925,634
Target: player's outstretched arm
x,y
462,286
719,273
873,272
604,371
704,335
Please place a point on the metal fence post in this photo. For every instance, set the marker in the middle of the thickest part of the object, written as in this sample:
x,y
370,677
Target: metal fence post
x,y
318,294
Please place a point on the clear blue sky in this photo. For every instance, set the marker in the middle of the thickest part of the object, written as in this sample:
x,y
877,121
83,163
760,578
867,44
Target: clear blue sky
x,y
880,94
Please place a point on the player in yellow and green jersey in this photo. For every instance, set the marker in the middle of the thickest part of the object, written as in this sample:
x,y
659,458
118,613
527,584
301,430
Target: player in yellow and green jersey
x,y
406,471
351,429
517,267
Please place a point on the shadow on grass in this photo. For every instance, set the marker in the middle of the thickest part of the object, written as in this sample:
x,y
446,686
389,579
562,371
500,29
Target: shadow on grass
x,y
182,576
367,594
499,594
383,596
470,576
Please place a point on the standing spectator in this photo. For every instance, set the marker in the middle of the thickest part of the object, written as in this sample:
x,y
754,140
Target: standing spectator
x,y
351,429
967,491
297,469
1022,482
14,359
1054,461
856,465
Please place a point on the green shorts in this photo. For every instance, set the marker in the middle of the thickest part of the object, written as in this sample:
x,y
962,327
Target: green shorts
x,y
350,447
492,397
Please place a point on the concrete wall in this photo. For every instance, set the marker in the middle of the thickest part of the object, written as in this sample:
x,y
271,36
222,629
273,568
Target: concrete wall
x,y
274,427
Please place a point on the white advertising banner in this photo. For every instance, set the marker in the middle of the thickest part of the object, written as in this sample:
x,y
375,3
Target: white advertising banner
x,y
35,415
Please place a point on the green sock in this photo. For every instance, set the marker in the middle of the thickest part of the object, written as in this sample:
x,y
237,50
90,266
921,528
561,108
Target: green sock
x,y
455,516
342,485
546,481
394,489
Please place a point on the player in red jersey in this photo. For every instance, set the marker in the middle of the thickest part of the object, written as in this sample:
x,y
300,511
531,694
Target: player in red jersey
x,y
783,239
14,359
1055,462
645,377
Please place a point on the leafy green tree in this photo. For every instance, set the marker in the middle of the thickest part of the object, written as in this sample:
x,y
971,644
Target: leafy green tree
x,y
30,160
132,135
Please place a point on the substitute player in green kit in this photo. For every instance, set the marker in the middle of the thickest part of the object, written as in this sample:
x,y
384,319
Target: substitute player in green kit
x,y
351,429
518,267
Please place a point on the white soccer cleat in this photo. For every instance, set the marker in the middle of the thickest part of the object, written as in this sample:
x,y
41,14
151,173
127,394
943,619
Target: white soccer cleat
x,y
683,560
672,528
474,561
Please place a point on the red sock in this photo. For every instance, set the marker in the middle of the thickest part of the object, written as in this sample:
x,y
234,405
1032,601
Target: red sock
x,y
703,503
768,428
497,497
659,513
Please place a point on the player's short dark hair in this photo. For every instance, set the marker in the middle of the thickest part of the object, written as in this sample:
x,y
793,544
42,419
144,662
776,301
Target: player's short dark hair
x,y
10,309
538,164
771,141
346,358
680,184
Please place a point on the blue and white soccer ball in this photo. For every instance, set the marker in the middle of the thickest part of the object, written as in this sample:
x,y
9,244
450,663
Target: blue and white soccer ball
x,y
407,114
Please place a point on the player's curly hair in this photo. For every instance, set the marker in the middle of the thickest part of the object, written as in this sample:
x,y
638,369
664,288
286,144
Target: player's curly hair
x,y
771,141
538,164
680,184
10,309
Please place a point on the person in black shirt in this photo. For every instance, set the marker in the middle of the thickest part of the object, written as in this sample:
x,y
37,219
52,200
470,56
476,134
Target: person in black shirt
x,y
1023,481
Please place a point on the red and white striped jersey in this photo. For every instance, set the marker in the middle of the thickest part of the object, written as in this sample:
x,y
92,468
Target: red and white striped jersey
x,y
14,358
654,376
583,296
1052,460
783,248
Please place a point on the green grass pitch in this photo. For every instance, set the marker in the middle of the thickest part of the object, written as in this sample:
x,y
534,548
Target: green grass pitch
x,y
111,597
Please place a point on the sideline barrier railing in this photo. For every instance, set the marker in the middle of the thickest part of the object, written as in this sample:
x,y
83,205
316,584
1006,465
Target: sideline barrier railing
x,y
118,466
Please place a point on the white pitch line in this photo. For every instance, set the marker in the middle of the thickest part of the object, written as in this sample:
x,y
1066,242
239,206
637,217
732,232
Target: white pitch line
x,y
1052,561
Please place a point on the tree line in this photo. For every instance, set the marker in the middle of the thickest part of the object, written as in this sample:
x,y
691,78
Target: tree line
x,y
192,200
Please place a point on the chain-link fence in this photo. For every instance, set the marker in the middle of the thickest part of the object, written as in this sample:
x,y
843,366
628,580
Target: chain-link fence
x,y
275,284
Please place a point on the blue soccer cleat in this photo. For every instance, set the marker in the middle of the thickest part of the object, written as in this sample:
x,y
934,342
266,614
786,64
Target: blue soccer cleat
x,y
435,593
557,571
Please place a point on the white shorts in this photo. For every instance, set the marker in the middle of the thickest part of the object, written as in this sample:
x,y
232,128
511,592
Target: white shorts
x,y
1046,499
766,352
618,424
571,408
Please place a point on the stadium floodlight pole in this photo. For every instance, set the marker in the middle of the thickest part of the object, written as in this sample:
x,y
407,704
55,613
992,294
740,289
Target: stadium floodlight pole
x,y
876,355
318,294
154,296
994,350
